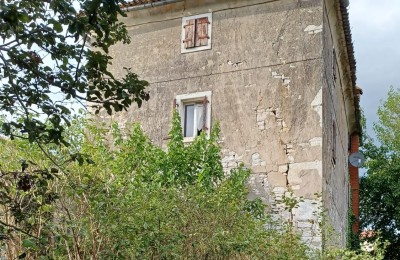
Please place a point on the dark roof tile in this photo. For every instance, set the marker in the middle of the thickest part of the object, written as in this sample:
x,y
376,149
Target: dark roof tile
x,y
138,2
352,59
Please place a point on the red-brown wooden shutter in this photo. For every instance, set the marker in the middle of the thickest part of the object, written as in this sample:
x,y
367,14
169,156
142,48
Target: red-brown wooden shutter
x,y
202,32
204,116
189,34
174,105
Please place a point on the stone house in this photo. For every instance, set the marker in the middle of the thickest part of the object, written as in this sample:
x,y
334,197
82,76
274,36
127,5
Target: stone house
x,y
279,76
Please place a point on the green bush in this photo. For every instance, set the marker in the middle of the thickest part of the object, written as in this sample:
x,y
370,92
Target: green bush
x,y
118,196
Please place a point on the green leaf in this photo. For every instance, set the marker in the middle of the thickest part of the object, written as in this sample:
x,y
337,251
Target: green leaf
x,y
23,17
27,243
57,27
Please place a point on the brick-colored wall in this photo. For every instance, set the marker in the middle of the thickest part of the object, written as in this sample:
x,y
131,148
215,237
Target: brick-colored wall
x,y
354,184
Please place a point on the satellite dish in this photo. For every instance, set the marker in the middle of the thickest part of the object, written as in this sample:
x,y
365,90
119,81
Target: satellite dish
x,y
356,159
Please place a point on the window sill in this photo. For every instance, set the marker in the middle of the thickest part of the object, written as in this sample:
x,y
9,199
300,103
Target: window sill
x,y
195,49
188,139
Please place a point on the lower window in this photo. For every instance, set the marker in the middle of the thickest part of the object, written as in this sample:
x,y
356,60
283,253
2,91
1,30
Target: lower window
x,y
195,111
193,124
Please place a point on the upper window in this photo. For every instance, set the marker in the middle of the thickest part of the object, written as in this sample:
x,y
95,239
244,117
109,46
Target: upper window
x,y
196,33
195,111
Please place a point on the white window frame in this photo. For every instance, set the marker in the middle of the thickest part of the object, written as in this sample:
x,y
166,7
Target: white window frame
x,y
200,48
189,99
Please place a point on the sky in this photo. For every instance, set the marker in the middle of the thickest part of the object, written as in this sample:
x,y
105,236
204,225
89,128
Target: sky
x,y
375,26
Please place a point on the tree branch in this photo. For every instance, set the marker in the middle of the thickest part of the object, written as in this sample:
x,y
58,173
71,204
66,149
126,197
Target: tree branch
x,y
18,229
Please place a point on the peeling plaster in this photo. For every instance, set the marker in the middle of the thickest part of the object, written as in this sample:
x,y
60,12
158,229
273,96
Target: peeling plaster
x,y
230,160
306,211
289,152
285,80
234,64
259,187
317,105
270,117
283,168
296,170
277,206
256,160
307,166
313,29
250,85
316,141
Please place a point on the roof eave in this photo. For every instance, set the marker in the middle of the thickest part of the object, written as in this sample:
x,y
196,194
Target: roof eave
x,y
352,61
134,5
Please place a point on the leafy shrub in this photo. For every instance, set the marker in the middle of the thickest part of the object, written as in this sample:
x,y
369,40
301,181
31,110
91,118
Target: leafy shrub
x,y
118,196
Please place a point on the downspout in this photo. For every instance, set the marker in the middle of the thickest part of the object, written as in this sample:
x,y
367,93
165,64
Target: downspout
x,y
149,5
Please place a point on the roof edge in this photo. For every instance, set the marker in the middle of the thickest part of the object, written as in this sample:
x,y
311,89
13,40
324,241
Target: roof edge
x,y
143,4
343,4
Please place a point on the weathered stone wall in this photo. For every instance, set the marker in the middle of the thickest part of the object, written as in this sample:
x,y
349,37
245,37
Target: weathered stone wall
x,y
336,99
264,71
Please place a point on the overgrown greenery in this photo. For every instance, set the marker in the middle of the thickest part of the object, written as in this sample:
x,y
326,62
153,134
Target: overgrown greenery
x,y
131,201
380,187
107,195
128,199
44,64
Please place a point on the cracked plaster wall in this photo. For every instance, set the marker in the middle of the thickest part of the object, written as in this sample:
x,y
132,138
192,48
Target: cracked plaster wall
x,y
264,71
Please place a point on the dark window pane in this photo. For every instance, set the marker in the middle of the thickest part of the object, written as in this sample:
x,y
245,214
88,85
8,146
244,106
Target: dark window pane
x,y
189,121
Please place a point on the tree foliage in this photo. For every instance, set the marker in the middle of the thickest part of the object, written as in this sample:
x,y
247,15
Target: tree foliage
x,y
44,64
387,129
380,187
130,200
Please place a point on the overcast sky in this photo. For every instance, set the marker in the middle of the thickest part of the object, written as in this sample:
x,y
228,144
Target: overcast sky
x,y
376,36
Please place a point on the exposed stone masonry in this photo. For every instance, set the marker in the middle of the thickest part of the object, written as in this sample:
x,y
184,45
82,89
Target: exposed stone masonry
x,y
268,118
230,160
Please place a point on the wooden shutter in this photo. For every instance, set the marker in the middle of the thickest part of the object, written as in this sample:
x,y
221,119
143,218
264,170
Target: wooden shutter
x,y
202,32
174,104
189,34
204,115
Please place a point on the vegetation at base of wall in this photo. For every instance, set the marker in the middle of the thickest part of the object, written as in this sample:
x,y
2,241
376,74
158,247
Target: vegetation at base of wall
x,y
380,187
125,198
353,239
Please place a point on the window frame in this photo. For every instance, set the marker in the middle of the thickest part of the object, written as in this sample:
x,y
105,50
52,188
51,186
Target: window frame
x,y
193,98
209,31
